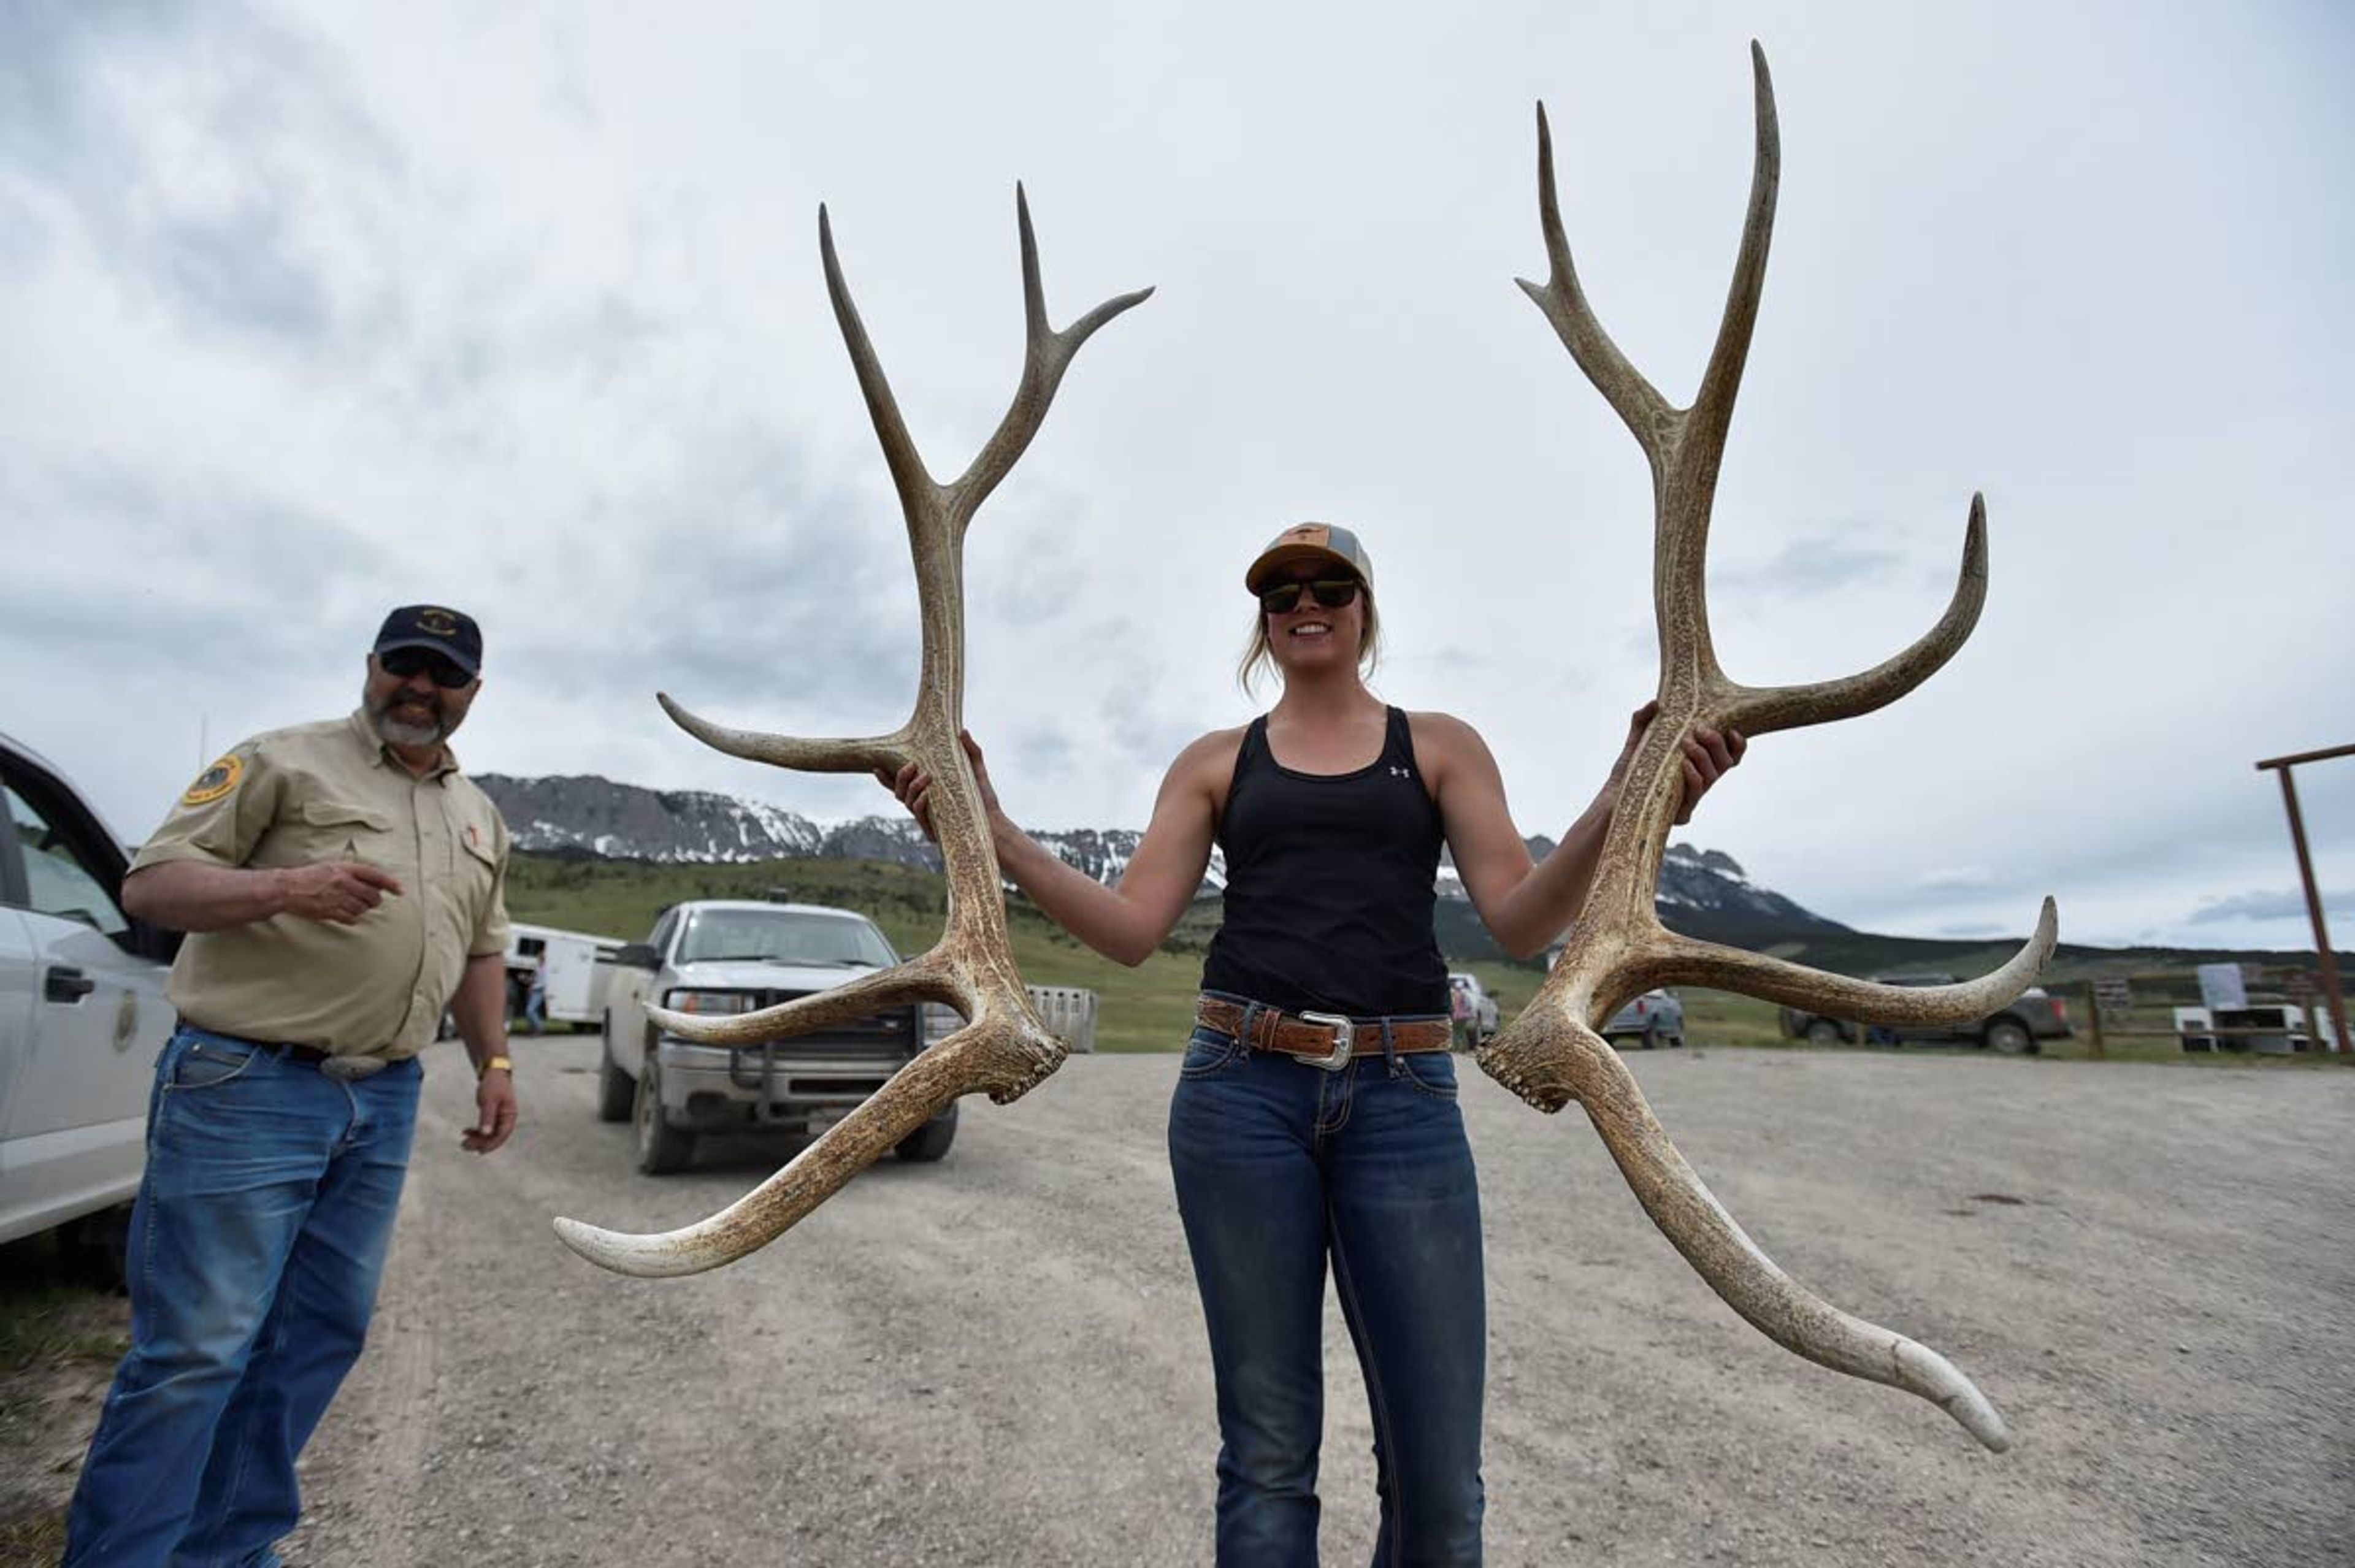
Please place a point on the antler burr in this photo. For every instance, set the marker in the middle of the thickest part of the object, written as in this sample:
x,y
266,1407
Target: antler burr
x,y
1554,1051
1003,1049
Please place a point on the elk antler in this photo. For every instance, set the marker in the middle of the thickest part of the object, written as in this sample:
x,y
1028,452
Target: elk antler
x,y
1554,1052
1003,1048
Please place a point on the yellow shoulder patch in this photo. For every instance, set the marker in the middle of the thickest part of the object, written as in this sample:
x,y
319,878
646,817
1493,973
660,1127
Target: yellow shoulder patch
x,y
216,781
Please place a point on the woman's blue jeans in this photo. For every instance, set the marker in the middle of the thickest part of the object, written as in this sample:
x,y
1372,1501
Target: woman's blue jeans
x,y
256,1245
1279,1165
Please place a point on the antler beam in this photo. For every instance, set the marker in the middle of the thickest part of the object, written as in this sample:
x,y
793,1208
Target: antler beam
x,y
1003,1049
1554,1051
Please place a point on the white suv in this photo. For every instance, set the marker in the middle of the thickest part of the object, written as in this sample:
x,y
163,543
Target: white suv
x,y
82,1014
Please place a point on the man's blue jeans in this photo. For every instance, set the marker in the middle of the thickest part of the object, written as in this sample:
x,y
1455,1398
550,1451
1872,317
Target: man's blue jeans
x,y
256,1245
1280,1165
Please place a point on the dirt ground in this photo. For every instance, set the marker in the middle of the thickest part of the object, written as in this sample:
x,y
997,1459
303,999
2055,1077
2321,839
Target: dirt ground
x,y
998,1360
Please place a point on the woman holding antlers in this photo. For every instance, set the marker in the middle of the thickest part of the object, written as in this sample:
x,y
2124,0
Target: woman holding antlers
x,y
1314,1121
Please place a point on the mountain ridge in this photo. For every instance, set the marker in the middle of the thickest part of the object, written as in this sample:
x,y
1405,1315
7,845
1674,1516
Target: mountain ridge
x,y
1702,892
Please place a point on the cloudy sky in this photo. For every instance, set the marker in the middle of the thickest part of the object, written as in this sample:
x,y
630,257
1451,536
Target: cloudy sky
x,y
308,311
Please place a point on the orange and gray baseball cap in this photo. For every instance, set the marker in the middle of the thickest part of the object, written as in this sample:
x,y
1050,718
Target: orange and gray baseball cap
x,y
1319,542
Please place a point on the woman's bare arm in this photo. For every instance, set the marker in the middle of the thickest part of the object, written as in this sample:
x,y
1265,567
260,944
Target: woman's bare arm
x,y
1527,906
1124,922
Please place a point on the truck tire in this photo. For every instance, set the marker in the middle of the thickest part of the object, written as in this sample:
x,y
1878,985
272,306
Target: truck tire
x,y
1823,1031
2009,1036
931,1141
617,1095
662,1148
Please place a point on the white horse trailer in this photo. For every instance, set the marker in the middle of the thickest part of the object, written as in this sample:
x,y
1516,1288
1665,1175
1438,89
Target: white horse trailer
x,y
576,964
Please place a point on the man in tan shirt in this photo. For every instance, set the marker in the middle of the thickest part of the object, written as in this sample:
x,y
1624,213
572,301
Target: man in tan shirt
x,y
341,883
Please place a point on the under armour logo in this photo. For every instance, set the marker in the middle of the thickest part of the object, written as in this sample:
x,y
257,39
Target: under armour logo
x,y
1398,772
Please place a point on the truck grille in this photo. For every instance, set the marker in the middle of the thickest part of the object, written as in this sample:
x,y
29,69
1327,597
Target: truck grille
x,y
890,1033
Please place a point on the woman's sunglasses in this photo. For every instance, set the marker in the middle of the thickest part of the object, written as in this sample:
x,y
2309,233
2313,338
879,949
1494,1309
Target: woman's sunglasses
x,y
403,663
1332,593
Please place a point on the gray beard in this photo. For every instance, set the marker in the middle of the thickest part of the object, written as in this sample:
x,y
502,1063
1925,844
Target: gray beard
x,y
394,732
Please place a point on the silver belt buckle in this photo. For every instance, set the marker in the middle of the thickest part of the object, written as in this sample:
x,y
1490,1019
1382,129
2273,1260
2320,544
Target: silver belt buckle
x,y
1344,1036
348,1068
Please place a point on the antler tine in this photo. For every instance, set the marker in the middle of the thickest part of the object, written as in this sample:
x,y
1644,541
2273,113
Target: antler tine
x,y
926,978
1553,1052
919,495
1047,355
881,1124
1712,410
1682,960
861,755
1555,1056
1003,1049
1647,414
1762,709
1745,1278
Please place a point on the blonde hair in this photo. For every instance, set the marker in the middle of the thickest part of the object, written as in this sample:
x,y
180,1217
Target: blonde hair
x,y
1259,653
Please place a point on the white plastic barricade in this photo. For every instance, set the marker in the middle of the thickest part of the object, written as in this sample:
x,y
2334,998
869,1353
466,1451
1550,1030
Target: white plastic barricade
x,y
1069,1012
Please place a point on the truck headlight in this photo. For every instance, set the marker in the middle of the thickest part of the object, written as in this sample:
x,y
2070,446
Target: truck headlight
x,y
708,1002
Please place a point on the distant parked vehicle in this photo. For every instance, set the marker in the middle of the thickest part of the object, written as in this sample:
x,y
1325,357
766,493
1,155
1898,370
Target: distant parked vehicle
x,y
2018,1030
1651,1020
82,1016
1473,1008
577,967
720,955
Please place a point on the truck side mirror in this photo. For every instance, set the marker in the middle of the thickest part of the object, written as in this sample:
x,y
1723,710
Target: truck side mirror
x,y
637,955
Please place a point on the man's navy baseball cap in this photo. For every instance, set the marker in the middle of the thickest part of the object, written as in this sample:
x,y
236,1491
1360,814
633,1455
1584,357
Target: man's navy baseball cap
x,y
450,632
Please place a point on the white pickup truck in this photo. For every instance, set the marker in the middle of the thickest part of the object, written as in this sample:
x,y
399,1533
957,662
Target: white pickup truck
x,y
82,1015
726,955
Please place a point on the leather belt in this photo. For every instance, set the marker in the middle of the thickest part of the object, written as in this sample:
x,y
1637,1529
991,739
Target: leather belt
x,y
344,1067
1321,1040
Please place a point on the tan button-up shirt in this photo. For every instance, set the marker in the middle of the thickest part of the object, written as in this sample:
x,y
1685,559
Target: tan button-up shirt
x,y
332,792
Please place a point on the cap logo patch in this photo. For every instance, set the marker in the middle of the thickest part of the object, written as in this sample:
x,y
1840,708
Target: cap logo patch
x,y
441,623
215,781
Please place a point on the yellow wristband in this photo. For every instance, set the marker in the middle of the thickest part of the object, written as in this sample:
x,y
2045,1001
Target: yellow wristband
x,y
496,1064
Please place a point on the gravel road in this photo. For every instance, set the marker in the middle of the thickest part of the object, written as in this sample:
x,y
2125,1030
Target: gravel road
x,y
998,1360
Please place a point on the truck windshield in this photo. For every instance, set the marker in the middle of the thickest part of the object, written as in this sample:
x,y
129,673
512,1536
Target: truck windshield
x,y
784,936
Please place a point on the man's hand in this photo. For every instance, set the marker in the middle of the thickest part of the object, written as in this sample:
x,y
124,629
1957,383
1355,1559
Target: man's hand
x,y
339,892
1708,756
494,1112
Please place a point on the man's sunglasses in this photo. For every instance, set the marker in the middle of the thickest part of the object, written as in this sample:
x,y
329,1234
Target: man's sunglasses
x,y
1332,593
403,663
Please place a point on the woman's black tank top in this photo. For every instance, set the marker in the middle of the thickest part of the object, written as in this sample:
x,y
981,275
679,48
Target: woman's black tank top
x,y
1331,884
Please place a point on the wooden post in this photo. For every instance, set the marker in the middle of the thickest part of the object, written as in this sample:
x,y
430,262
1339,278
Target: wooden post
x,y
2345,1040
2093,1021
